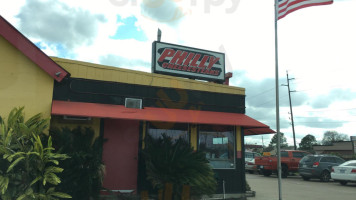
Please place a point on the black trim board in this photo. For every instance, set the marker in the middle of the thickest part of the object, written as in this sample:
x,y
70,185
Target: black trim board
x,y
105,92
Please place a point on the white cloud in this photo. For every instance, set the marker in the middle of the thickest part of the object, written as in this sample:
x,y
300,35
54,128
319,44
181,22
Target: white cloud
x,y
316,45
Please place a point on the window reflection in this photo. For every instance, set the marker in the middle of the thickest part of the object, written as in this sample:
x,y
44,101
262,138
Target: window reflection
x,y
218,143
174,131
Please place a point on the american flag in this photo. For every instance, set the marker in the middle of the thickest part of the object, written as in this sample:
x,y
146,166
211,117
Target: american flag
x,y
287,6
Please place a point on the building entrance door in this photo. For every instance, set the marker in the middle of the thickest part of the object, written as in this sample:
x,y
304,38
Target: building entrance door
x,y
120,153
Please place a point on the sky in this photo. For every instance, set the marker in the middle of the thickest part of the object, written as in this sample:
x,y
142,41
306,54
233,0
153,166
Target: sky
x,y
316,46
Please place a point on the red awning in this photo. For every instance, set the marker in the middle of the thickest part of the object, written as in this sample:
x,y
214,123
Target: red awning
x,y
258,131
154,114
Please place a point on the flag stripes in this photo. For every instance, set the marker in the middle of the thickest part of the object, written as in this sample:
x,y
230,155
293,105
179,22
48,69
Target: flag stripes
x,y
287,6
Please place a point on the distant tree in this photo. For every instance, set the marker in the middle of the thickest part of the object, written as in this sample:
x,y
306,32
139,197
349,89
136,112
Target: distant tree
x,y
333,136
307,143
283,141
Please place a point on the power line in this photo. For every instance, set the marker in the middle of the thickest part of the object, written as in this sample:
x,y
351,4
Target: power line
x,y
261,93
323,122
316,116
266,102
328,110
329,87
302,80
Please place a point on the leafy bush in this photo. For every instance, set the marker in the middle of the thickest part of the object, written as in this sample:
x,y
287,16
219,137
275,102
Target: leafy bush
x,y
177,163
28,167
83,173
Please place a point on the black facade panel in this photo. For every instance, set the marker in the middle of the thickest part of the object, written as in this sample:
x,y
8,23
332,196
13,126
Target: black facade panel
x,y
233,178
92,91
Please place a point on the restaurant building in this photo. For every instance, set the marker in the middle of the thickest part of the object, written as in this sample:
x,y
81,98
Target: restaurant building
x,y
123,106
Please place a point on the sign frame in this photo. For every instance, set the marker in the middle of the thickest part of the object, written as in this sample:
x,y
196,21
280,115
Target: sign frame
x,y
209,66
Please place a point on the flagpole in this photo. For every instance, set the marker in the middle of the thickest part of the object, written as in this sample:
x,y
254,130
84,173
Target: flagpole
x,y
277,100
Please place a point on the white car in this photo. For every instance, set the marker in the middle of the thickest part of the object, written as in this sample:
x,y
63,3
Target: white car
x,y
345,172
250,166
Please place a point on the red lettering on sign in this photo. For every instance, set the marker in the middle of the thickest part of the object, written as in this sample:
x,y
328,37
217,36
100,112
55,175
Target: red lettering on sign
x,y
195,60
189,58
166,53
203,61
179,56
212,61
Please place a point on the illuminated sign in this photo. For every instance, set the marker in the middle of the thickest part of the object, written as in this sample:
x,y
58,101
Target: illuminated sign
x,y
188,62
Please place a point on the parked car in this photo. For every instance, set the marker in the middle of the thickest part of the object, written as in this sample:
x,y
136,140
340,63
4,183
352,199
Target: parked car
x,y
250,166
344,173
289,162
250,161
318,166
249,155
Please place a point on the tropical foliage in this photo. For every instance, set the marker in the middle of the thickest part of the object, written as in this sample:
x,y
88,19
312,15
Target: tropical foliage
x,y
177,163
28,164
83,173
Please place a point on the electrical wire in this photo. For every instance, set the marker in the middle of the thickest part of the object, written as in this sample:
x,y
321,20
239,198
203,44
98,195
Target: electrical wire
x,y
261,93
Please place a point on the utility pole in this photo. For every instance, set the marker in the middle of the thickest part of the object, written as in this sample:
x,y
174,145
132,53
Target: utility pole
x,y
291,110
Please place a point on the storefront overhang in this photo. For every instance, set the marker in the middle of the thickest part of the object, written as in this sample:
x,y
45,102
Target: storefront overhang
x,y
81,109
258,131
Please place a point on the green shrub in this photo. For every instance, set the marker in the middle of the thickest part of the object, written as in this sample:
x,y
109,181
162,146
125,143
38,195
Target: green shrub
x,y
177,163
84,171
28,163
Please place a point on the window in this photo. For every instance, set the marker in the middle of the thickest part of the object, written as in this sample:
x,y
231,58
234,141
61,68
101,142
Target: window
x,y
249,155
328,159
174,131
284,154
218,143
339,160
308,159
298,154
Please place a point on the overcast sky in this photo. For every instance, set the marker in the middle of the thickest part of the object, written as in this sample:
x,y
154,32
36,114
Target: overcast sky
x,y
317,45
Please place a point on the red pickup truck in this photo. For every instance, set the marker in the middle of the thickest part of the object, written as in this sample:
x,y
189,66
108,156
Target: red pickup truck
x,y
289,162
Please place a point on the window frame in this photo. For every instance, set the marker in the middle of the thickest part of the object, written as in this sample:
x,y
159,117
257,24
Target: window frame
x,y
228,128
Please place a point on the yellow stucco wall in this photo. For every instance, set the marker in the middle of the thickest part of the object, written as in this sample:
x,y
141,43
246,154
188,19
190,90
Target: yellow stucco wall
x,y
86,70
238,139
23,83
194,136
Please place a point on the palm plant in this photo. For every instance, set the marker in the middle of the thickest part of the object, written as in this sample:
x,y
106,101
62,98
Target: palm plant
x,y
28,169
83,173
177,163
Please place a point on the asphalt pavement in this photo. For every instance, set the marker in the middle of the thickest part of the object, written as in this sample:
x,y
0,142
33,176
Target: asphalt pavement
x,y
295,188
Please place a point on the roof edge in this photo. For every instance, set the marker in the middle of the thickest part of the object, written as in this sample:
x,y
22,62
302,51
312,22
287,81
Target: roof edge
x,y
30,50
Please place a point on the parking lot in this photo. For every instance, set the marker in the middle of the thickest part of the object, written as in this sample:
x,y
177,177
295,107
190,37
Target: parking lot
x,y
294,188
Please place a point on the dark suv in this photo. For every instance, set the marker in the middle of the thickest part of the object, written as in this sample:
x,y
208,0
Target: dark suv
x,y
318,166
